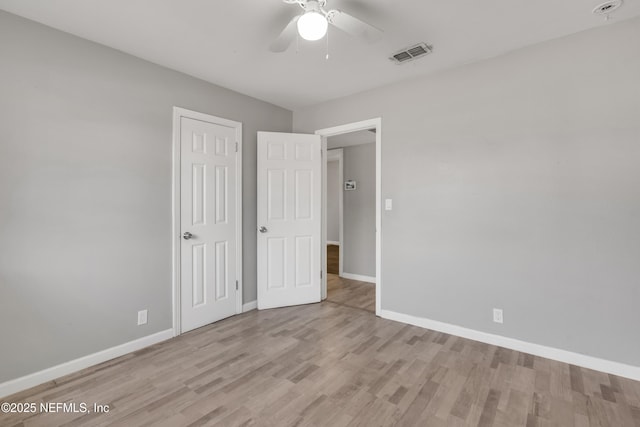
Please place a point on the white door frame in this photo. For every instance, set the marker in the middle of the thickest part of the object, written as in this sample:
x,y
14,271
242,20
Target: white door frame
x,y
178,113
337,155
338,130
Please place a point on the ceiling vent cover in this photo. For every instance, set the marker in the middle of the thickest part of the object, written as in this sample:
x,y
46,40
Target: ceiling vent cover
x,y
607,7
411,53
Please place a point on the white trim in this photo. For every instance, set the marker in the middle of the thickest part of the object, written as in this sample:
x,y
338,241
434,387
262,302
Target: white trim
x,y
332,242
340,155
338,130
333,155
251,305
590,362
323,221
359,277
378,216
239,206
175,223
40,377
175,203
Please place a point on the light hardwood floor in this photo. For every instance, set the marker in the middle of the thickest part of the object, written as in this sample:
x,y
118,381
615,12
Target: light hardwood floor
x,y
333,259
351,293
329,364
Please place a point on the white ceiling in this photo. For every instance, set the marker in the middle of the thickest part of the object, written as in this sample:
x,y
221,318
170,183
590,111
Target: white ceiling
x,y
226,42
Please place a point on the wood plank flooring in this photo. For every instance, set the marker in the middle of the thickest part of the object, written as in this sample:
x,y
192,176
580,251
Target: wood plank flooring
x,y
331,365
333,259
351,293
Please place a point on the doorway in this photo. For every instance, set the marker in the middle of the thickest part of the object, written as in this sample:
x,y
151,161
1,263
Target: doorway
x,y
360,287
292,217
351,219
207,219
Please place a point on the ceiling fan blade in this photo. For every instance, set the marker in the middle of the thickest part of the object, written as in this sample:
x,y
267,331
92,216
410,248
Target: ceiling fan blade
x,y
286,36
353,26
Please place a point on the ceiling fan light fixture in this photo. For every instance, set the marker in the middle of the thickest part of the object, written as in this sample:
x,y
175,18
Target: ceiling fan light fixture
x,y
312,26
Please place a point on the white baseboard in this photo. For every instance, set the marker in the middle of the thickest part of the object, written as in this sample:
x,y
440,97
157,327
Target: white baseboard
x,y
333,242
251,305
358,277
37,378
607,366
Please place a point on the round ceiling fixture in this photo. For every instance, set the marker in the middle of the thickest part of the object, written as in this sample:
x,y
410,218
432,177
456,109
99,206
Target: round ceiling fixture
x,y
607,7
312,26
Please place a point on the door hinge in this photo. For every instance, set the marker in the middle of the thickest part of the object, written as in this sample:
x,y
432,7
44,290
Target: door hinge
x,y
236,146
236,285
321,274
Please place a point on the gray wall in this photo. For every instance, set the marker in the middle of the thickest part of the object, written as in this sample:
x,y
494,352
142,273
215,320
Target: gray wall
x,y
333,201
516,184
359,246
85,192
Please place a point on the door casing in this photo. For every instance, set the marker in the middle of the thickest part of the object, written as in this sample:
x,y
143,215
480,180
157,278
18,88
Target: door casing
x,y
337,155
339,130
178,113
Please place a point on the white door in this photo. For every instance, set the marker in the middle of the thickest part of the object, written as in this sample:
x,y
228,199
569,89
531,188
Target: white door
x,y
289,219
208,222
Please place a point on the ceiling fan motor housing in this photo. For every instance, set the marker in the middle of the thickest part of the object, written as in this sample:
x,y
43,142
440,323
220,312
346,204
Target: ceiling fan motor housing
x,y
313,5
308,5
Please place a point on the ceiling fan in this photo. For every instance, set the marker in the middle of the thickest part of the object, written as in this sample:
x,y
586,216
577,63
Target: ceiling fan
x,y
313,23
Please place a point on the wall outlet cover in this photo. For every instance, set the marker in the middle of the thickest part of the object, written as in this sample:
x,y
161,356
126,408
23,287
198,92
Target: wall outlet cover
x,y
142,317
497,315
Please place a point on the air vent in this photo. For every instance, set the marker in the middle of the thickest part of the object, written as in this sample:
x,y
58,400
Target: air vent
x,y
607,7
411,53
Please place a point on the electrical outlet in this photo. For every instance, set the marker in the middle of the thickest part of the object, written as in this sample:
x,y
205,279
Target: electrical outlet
x,y
497,315
142,317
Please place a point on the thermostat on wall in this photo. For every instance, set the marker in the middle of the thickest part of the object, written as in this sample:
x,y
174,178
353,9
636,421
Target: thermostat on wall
x,y
349,185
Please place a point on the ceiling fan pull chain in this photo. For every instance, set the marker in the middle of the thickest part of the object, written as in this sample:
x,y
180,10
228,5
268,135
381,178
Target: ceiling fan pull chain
x,y
327,57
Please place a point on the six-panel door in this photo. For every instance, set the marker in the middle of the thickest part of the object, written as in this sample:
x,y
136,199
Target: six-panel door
x,y
207,213
289,219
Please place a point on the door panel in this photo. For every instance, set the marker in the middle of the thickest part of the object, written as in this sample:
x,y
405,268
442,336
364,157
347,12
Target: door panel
x,y
303,261
207,211
289,198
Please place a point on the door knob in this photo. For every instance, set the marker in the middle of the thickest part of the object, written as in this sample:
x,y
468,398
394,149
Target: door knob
x,y
187,235
263,229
